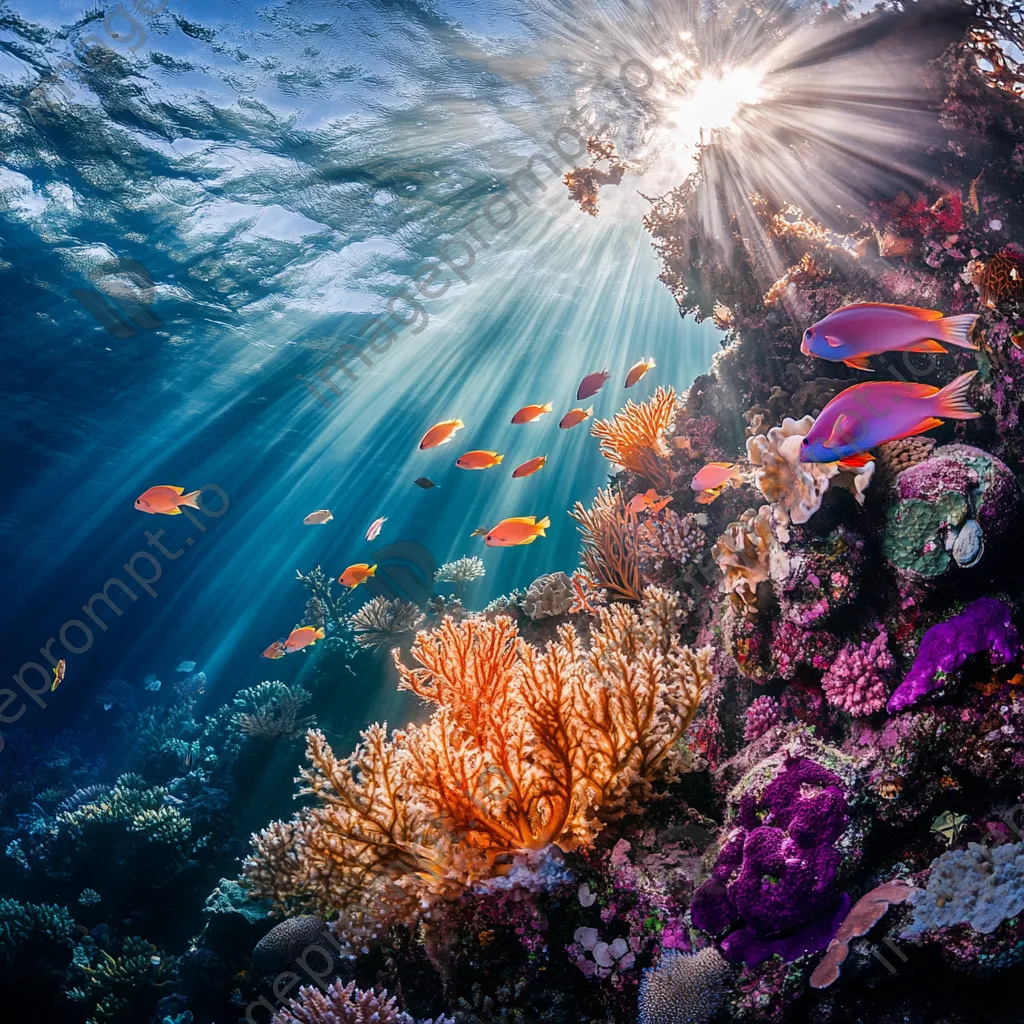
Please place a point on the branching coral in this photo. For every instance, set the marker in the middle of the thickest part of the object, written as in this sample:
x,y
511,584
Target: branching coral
x,y
341,1004
381,623
635,438
271,710
743,554
669,537
763,714
858,680
610,544
461,572
794,488
525,747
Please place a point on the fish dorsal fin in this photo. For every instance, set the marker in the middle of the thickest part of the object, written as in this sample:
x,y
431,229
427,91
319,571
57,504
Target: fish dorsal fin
x,y
178,490
529,520
859,363
915,311
832,342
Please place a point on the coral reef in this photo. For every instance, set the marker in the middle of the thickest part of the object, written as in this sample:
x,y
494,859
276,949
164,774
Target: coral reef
x,y
271,710
743,553
461,573
342,1004
669,539
985,625
610,544
858,680
763,714
548,596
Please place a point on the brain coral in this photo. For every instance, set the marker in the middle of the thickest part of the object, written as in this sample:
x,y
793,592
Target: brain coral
x,y
684,988
975,886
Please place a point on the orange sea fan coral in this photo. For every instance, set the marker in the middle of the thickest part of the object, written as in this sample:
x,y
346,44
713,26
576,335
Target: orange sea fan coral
x,y
610,544
635,438
525,747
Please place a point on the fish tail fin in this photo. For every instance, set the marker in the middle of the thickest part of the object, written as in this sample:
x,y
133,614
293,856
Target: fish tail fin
x,y
191,499
320,634
951,402
956,330
546,407
372,571
543,525
498,458
589,411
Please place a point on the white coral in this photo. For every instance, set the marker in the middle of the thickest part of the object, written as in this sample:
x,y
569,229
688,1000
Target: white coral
x,y
794,488
548,595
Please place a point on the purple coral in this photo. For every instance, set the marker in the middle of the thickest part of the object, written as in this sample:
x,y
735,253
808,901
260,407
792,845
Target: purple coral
x,y
342,1004
762,715
858,680
776,874
984,625
669,537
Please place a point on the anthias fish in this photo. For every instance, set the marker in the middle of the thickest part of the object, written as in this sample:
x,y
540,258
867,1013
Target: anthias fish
x,y
710,481
302,636
478,460
530,413
637,370
164,500
511,533
529,467
440,433
649,501
591,384
871,414
375,527
58,674
275,650
574,416
356,574
425,482
854,333
318,518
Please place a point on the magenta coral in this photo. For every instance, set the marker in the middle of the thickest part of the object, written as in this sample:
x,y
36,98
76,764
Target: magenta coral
x,y
762,715
341,1004
858,681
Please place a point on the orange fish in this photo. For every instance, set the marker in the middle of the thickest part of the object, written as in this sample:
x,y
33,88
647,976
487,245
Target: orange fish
x,y
440,433
356,574
275,650
713,479
165,500
318,518
529,413
649,501
637,370
574,416
510,533
301,636
529,467
478,460
58,675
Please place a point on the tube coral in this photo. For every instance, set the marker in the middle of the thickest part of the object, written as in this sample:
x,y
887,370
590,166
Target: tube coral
x,y
634,438
610,544
524,747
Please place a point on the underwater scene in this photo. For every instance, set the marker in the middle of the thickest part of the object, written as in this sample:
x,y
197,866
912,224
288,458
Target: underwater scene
x,y
513,512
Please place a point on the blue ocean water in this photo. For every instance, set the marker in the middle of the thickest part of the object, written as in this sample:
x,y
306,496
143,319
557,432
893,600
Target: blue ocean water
x,y
197,216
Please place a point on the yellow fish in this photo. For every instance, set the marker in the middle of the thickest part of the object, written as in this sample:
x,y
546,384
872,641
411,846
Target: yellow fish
x,y
58,675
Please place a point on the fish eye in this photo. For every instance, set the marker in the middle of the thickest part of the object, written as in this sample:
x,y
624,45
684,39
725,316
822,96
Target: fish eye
x,y
809,333
805,443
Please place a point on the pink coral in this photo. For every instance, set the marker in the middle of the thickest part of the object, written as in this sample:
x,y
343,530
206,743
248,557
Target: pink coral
x,y
762,715
668,537
858,680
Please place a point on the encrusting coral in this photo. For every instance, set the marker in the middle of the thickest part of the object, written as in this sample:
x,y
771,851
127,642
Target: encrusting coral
x,y
796,489
634,438
381,623
610,544
524,747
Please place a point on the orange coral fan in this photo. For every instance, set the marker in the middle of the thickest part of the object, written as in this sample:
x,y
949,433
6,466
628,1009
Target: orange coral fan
x,y
635,438
525,747
610,544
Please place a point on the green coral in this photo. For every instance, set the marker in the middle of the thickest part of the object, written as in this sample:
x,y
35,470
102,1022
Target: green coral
x,y
26,926
120,988
912,528
141,808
